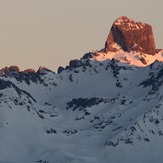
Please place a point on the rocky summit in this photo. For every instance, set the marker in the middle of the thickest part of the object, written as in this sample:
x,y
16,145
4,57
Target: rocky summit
x,y
130,36
129,42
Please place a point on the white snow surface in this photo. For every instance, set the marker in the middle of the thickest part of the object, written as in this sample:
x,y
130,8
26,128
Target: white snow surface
x,y
132,58
104,111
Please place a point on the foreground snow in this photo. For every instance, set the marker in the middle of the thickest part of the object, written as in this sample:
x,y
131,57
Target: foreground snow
x,y
97,112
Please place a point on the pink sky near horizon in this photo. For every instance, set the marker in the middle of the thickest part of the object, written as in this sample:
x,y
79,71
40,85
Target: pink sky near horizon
x,y
51,32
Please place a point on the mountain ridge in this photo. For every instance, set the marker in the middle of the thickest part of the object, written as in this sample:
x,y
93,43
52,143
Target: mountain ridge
x,y
96,109
128,41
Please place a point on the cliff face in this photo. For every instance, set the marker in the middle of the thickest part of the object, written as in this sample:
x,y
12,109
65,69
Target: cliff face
x,y
130,36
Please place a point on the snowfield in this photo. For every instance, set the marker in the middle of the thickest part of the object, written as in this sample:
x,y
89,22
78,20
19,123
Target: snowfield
x,y
98,111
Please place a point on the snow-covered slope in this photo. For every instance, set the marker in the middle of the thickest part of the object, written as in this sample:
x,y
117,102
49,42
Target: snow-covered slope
x,y
105,107
91,112
132,58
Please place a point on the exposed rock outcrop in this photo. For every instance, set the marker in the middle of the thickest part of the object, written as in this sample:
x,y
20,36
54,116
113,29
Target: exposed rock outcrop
x,y
43,70
30,70
9,69
128,35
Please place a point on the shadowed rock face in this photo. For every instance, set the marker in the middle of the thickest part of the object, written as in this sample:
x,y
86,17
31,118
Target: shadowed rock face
x,y
130,36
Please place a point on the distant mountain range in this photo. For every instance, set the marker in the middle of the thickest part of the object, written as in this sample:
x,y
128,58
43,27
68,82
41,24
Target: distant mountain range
x,y
105,107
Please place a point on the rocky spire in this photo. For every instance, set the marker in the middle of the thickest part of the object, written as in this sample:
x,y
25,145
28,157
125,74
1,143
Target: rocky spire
x,y
128,35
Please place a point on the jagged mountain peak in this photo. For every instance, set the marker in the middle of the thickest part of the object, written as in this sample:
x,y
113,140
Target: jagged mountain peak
x,y
113,108
129,42
9,69
16,69
122,20
125,21
131,36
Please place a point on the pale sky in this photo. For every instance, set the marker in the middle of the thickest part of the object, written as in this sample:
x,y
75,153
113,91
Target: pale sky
x,y
52,32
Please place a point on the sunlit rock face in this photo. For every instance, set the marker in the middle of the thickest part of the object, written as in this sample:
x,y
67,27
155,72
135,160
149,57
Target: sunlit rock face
x,y
128,42
9,69
129,35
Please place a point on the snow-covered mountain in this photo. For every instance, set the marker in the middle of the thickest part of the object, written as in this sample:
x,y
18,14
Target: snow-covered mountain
x,y
97,109
130,42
